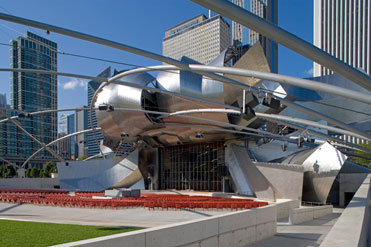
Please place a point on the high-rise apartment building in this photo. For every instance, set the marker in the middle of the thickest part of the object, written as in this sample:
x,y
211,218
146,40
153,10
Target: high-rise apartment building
x,y
342,28
31,92
267,9
91,144
200,38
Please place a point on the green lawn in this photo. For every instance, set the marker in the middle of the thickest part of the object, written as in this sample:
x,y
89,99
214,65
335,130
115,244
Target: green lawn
x,y
22,233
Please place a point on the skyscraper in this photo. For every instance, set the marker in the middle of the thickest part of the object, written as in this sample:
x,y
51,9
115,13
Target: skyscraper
x,y
237,29
93,149
67,147
200,38
2,100
81,123
342,29
267,9
31,92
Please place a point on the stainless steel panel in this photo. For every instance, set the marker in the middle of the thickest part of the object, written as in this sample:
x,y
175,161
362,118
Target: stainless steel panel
x,y
321,165
115,123
192,84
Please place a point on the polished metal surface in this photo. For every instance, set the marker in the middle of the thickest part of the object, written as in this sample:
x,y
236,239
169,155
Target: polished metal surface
x,y
283,37
117,123
189,83
98,175
253,59
246,176
321,165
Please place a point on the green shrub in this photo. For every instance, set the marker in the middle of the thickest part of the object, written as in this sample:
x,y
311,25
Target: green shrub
x,y
363,161
27,173
48,169
35,172
83,157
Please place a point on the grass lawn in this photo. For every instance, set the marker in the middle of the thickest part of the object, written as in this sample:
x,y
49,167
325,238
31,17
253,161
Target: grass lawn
x,y
23,233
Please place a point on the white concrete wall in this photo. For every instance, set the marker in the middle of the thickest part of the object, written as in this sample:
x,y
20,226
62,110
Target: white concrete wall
x,y
286,179
352,227
234,229
29,183
304,214
284,206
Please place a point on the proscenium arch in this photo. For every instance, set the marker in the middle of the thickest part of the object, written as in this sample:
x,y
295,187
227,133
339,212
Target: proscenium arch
x,y
215,69
226,70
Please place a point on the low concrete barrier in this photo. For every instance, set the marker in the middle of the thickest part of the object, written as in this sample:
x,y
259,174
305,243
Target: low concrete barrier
x,y
29,183
352,227
233,229
304,214
284,206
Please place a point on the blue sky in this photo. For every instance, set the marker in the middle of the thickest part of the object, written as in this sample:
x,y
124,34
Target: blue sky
x,y
137,23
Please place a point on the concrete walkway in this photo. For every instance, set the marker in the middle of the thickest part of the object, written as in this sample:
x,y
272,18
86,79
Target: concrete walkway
x,y
136,217
308,234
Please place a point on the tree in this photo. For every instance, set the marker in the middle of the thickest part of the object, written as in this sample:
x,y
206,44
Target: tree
x,y
35,173
3,172
54,170
48,169
363,161
83,157
27,172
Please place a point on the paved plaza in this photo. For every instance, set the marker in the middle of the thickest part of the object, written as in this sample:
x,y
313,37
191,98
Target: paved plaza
x,y
308,234
136,217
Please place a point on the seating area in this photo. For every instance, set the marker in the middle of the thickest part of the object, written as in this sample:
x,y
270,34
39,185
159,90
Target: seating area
x,y
147,200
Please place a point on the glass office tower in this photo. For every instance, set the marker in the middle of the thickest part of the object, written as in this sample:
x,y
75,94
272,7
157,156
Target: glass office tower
x,y
30,92
268,10
92,147
342,29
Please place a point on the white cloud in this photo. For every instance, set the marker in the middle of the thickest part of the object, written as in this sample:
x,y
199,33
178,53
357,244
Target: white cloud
x,y
74,83
309,72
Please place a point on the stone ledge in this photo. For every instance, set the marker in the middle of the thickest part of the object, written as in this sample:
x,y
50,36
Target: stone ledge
x,y
251,225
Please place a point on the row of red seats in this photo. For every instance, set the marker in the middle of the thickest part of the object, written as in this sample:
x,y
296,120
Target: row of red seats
x,y
32,191
89,193
114,203
150,201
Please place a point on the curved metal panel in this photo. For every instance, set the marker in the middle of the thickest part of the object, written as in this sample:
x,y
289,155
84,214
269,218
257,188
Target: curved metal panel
x,y
115,123
321,165
189,83
219,60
